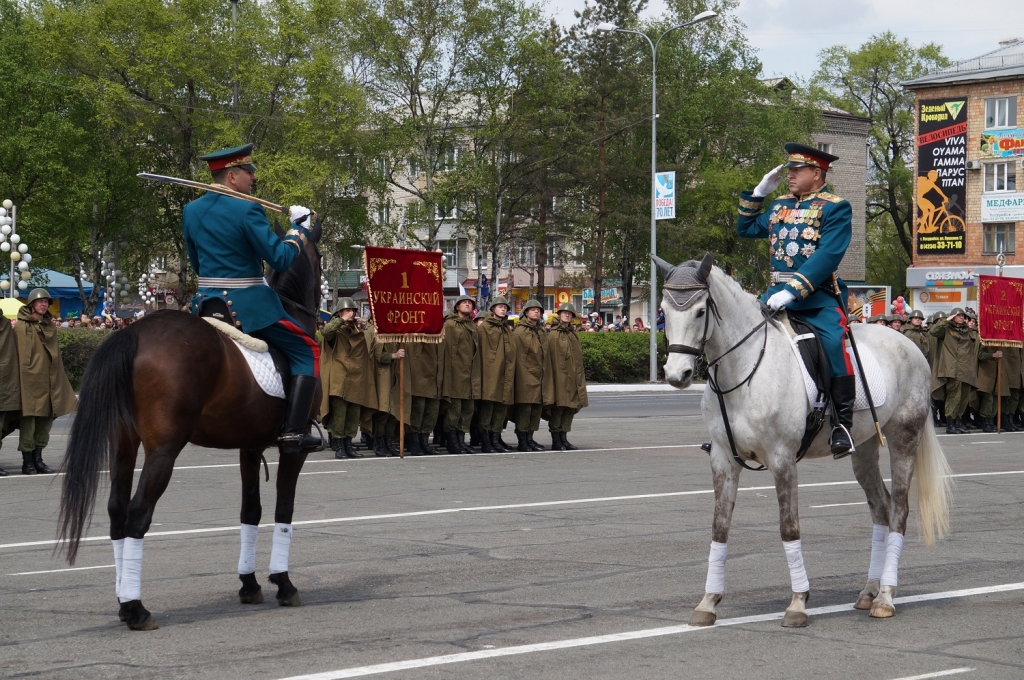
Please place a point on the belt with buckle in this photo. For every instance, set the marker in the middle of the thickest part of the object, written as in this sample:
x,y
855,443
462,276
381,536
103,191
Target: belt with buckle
x,y
211,282
781,277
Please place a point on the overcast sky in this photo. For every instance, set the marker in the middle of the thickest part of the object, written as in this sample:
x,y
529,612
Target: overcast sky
x,y
789,33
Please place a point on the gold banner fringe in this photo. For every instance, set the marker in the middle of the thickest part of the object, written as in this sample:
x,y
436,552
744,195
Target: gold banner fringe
x,y
1002,343
411,337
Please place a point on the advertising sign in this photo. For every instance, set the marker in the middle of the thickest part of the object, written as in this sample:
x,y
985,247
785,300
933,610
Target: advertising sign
x,y
665,195
406,294
1002,143
1007,207
588,296
609,294
563,296
941,176
1001,311
868,300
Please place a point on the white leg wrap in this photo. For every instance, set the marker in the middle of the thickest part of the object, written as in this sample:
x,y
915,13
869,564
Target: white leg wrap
x,y
118,562
893,548
797,573
716,568
281,545
247,555
131,571
878,535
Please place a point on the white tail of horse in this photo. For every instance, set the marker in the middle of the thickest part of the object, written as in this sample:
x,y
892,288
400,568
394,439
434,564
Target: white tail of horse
x,y
933,485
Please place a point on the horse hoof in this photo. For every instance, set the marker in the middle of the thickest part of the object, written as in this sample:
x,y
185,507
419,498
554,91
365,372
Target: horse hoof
x,y
292,600
794,620
250,592
287,594
122,612
703,618
138,617
864,602
251,598
882,611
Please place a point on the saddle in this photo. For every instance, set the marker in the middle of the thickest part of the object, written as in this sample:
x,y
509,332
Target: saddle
x,y
810,350
269,366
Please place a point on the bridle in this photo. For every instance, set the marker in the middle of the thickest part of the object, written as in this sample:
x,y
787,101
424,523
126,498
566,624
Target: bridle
x,y
713,365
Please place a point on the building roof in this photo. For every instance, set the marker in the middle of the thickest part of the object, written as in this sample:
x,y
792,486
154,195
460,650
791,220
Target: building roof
x,y
1004,63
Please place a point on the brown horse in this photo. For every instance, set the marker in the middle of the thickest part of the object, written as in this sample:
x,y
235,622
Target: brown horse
x,y
169,380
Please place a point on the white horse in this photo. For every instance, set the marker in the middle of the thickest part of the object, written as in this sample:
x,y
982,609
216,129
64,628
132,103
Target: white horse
x,y
706,312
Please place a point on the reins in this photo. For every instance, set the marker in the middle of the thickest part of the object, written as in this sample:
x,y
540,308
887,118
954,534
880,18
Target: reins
x,y
714,365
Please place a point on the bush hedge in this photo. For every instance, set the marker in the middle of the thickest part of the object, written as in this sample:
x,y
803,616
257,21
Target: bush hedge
x,y
76,346
619,357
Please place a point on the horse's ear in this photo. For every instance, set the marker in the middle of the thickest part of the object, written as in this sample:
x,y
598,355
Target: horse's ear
x,y
705,268
664,267
316,231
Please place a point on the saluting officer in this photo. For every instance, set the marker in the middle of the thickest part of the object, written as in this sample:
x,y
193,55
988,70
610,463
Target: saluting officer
x,y
461,373
347,375
530,366
809,230
228,240
956,366
565,385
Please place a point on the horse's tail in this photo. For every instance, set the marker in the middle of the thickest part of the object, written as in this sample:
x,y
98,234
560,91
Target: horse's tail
x,y
933,485
105,414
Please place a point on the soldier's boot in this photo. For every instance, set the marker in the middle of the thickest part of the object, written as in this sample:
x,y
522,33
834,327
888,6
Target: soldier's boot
x,y
486,443
534,446
294,438
474,435
28,465
366,440
426,446
951,427
452,443
350,449
988,425
524,443
844,392
961,427
460,439
379,449
336,445
566,444
499,444
41,467
391,446
556,442
412,443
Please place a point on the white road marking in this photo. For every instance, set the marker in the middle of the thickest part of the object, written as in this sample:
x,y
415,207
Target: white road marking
x,y
839,505
322,472
632,635
938,674
58,571
482,508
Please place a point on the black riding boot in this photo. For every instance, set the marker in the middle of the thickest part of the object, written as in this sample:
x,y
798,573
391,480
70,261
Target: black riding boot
x,y
524,443
350,449
534,446
566,444
28,465
294,438
41,467
844,392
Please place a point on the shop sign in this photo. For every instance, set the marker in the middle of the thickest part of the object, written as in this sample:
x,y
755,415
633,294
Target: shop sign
x,y
1008,207
588,296
609,294
941,176
1002,143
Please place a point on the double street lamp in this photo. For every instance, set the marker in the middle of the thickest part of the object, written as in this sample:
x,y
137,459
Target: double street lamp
x,y
609,27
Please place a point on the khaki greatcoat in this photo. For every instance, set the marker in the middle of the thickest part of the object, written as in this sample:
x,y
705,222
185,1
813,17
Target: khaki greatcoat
x,y
388,376
346,367
424,368
919,336
987,370
461,359
956,355
45,389
497,360
10,369
564,382
530,365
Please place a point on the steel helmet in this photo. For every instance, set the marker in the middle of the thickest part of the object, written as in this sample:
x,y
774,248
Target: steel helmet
x,y
38,294
345,303
498,301
533,304
567,307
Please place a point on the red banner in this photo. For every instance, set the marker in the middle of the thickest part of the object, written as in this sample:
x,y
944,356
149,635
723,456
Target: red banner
x,y
1001,311
406,291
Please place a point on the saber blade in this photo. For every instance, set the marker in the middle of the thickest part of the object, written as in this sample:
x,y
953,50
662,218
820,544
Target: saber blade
x,y
216,188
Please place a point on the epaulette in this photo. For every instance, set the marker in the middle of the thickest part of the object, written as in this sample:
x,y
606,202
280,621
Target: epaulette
x,y
785,197
831,198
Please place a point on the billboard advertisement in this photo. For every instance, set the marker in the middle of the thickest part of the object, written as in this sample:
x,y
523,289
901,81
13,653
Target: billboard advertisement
x,y
941,176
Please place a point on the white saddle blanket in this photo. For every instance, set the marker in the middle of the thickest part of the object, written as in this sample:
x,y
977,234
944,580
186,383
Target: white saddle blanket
x,y
872,372
256,355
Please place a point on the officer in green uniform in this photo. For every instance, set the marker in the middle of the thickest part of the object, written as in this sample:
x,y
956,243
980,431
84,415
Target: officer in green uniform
x,y
808,231
228,240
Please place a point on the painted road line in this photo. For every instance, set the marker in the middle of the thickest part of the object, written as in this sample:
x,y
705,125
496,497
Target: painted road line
x,y
59,571
482,508
839,505
628,635
322,472
938,674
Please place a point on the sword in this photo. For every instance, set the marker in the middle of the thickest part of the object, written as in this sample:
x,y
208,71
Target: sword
x,y
216,188
856,355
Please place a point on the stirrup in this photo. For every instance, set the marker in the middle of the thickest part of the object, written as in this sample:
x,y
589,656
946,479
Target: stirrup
x,y
841,454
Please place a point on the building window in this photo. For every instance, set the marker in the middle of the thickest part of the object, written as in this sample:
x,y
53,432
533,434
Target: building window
x,y
451,252
549,303
1001,176
383,214
826,148
997,238
1000,112
444,211
577,302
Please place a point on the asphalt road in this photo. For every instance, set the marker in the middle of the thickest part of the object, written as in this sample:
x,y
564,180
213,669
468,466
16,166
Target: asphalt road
x,y
545,565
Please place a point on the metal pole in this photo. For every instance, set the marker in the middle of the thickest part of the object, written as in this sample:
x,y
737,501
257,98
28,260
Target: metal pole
x,y
654,223
234,45
14,230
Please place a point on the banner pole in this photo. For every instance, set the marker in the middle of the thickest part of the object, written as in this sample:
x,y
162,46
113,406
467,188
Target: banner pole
x,y
401,407
999,398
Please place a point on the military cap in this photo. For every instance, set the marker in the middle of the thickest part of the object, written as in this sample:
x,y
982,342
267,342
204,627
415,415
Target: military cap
x,y
38,294
498,301
567,307
345,303
916,314
235,157
801,156
465,298
957,310
533,304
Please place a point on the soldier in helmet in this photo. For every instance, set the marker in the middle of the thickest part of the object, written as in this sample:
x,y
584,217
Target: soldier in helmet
x,y
497,375
565,387
424,373
915,332
461,373
895,322
529,393
956,366
46,392
347,377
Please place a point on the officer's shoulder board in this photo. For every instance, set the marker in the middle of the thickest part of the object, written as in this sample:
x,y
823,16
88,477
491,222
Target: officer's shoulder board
x,y
831,198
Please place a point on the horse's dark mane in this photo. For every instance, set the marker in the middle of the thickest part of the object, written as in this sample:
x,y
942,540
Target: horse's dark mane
x,y
298,284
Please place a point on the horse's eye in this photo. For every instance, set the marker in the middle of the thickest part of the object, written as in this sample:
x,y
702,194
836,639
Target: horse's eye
x,y
700,313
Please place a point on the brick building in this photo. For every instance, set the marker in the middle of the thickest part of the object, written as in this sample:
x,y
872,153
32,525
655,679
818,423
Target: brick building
x,y
968,158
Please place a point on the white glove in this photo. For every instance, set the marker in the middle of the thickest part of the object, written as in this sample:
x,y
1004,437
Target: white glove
x,y
780,300
297,214
769,182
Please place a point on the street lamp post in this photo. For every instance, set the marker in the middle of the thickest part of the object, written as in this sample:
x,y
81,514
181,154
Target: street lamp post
x,y
609,27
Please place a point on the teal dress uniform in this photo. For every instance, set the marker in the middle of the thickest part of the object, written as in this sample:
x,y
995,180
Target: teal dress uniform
x,y
808,236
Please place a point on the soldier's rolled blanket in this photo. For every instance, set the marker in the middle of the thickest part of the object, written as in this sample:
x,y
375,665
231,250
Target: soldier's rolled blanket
x,y
406,292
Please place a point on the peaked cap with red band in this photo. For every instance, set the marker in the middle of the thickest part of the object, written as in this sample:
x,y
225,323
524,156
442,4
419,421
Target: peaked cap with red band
x,y
236,157
801,155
